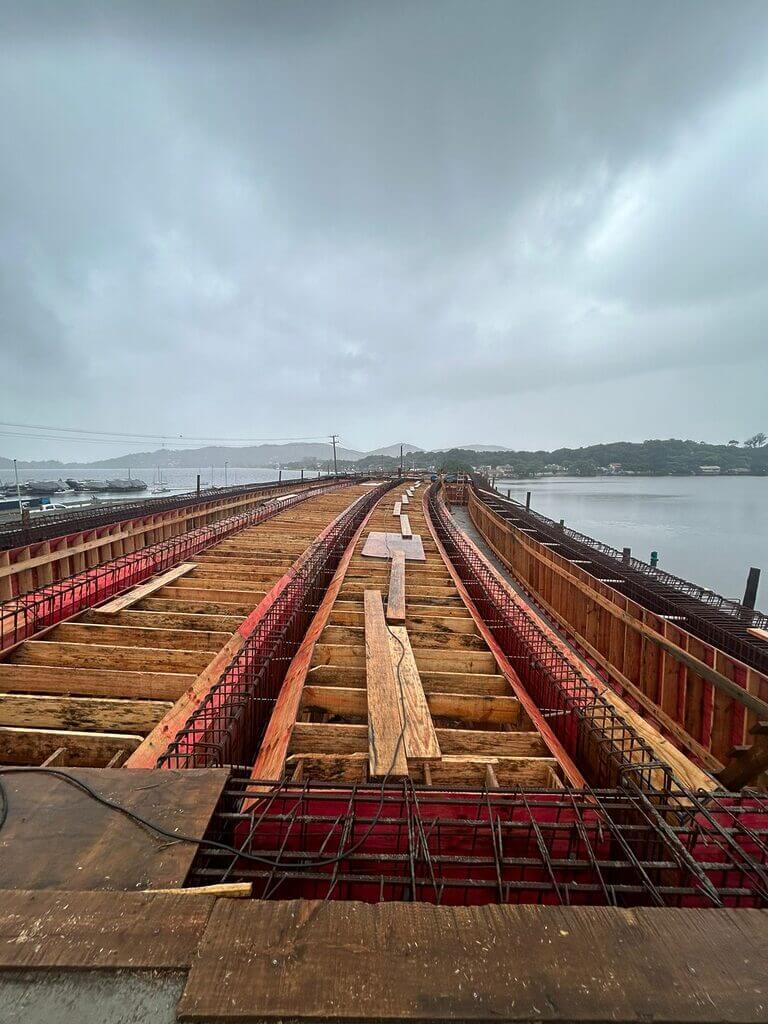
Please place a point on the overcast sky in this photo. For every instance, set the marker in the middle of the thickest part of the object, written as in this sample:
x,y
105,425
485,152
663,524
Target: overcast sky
x,y
527,224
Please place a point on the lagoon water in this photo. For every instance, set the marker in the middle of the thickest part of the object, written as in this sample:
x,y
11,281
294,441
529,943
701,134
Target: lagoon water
x,y
706,529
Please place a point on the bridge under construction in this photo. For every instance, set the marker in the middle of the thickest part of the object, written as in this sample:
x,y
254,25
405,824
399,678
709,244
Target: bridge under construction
x,y
315,750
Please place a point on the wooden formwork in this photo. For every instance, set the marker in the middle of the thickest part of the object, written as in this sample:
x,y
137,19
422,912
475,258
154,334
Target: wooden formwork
x,y
703,699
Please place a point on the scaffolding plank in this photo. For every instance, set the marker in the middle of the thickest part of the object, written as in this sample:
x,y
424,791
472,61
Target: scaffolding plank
x,y
396,593
386,751
396,510
147,589
383,545
405,527
415,962
420,736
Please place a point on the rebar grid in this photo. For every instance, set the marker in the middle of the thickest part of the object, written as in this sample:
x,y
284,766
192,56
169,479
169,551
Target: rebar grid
x,y
606,750
228,725
23,617
409,843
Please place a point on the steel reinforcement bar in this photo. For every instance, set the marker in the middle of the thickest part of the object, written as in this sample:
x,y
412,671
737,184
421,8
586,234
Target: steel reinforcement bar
x,y
23,617
700,697
607,751
79,520
228,725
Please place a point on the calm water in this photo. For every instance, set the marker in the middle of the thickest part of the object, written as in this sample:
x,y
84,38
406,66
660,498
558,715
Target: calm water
x,y
706,529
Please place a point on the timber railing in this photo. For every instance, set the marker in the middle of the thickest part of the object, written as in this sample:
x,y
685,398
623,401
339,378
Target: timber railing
x,y
228,725
23,617
702,698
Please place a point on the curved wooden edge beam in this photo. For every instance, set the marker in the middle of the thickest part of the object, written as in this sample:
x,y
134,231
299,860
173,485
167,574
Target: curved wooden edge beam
x,y
688,773
169,727
553,744
270,762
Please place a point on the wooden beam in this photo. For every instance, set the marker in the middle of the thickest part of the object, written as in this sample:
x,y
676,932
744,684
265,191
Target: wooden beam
x,y
495,744
405,528
386,747
33,746
146,589
156,686
396,592
397,509
420,738
85,714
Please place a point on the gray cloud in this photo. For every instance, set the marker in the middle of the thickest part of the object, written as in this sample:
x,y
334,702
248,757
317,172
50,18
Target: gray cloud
x,y
386,219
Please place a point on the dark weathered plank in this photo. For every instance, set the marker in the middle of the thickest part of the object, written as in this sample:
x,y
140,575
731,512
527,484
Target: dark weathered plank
x,y
57,837
92,930
516,963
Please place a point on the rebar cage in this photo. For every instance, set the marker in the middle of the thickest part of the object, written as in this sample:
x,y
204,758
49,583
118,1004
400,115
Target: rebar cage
x,y
227,727
22,617
407,843
606,750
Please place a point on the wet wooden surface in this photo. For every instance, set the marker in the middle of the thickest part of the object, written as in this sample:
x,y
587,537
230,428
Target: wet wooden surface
x,y
354,961
93,930
57,837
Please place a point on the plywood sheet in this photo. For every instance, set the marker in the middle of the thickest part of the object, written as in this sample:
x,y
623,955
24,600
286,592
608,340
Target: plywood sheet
x,y
57,837
383,545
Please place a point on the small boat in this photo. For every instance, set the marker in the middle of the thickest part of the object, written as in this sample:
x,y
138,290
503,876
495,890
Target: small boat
x,y
158,484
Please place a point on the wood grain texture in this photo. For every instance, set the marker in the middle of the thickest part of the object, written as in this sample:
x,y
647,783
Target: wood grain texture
x,y
146,589
386,749
420,738
415,962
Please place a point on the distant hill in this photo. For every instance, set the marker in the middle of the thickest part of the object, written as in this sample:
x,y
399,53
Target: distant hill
x,y
393,450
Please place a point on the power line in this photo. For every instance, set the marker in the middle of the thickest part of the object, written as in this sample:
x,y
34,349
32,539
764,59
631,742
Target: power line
x,y
153,437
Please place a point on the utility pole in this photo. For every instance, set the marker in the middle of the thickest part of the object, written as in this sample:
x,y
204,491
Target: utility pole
x,y
401,460
334,439
225,472
18,489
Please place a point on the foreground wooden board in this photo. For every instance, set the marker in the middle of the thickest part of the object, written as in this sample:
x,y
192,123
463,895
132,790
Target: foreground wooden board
x,y
396,593
420,737
56,837
405,961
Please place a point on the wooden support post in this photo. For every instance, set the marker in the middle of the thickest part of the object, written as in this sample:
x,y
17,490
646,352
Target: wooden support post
x,y
396,595
750,593
386,746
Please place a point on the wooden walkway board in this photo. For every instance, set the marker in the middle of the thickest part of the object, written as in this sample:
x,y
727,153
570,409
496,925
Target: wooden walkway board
x,y
420,736
147,589
396,509
280,959
396,594
404,499
405,527
384,545
386,749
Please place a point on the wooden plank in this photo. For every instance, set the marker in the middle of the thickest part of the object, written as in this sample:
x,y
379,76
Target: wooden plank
x,y
420,737
404,499
494,744
396,510
279,960
760,634
405,528
90,749
396,592
383,545
41,652
96,714
87,682
146,589
386,747
91,931
57,837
